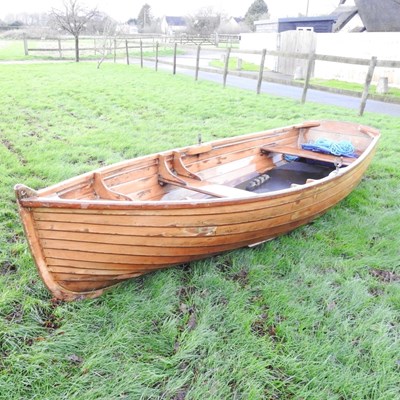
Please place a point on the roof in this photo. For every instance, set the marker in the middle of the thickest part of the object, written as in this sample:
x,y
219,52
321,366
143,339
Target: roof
x,y
238,19
175,21
309,19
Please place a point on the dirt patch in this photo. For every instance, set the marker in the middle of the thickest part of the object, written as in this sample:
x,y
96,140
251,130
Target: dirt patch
x,y
7,267
241,277
8,145
16,314
385,276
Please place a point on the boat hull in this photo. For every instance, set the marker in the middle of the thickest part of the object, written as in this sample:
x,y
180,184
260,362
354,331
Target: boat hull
x,y
81,248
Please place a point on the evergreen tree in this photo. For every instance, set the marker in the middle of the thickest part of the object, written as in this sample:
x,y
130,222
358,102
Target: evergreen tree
x,y
258,10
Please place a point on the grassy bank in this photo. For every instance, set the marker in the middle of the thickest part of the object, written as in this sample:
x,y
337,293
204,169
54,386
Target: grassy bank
x,y
356,87
233,65
312,315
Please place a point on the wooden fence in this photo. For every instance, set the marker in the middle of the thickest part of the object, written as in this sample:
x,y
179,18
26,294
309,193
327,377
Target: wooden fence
x,y
309,58
134,48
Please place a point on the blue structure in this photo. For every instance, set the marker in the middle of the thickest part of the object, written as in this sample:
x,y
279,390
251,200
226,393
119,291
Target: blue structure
x,y
322,24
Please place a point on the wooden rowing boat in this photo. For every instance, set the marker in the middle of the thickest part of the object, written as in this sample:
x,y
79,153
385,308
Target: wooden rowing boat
x,y
128,219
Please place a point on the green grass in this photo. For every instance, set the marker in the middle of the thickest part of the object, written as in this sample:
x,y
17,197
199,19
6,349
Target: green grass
x,y
232,65
311,315
356,87
13,50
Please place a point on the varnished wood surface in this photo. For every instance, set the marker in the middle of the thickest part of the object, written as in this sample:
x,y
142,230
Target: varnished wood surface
x,y
86,234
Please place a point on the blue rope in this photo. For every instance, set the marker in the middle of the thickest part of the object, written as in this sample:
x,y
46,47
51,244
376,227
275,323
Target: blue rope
x,y
326,146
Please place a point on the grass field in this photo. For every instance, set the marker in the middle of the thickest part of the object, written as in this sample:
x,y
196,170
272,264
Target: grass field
x,y
311,315
13,50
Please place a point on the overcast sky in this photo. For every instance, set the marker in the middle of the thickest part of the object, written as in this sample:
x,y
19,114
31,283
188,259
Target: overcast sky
x,y
122,10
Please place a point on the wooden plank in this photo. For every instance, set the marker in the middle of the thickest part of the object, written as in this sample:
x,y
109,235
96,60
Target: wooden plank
x,y
307,154
212,189
117,258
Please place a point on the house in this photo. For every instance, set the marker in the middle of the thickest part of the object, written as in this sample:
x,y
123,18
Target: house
x,y
172,25
266,25
233,25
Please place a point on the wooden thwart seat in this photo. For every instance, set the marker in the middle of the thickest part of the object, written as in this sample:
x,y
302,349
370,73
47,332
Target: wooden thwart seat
x,y
292,151
185,179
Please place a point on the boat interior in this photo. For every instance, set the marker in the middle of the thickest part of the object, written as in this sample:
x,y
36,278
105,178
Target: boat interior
x,y
239,167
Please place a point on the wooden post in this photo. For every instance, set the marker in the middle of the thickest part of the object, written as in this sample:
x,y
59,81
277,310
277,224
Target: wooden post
x,y
141,53
174,67
196,77
26,45
115,51
228,53
310,65
367,84
94,44
261,72
59,48
127,52
156,57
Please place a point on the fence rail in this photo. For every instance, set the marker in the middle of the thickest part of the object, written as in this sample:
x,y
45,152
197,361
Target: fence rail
x,y
111,46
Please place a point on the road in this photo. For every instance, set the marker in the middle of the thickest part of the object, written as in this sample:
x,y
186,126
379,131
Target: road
x,y
277,89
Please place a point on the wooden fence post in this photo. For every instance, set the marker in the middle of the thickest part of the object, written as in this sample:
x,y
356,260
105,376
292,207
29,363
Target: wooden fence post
x,y
174,67
26,45
127,52
141,53
261,72
367,84
196,77
310,66
115,51
228,53
59,48
156,66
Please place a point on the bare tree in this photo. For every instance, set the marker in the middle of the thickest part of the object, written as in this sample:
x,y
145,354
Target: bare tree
x,y
109,35
205,22
73,19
